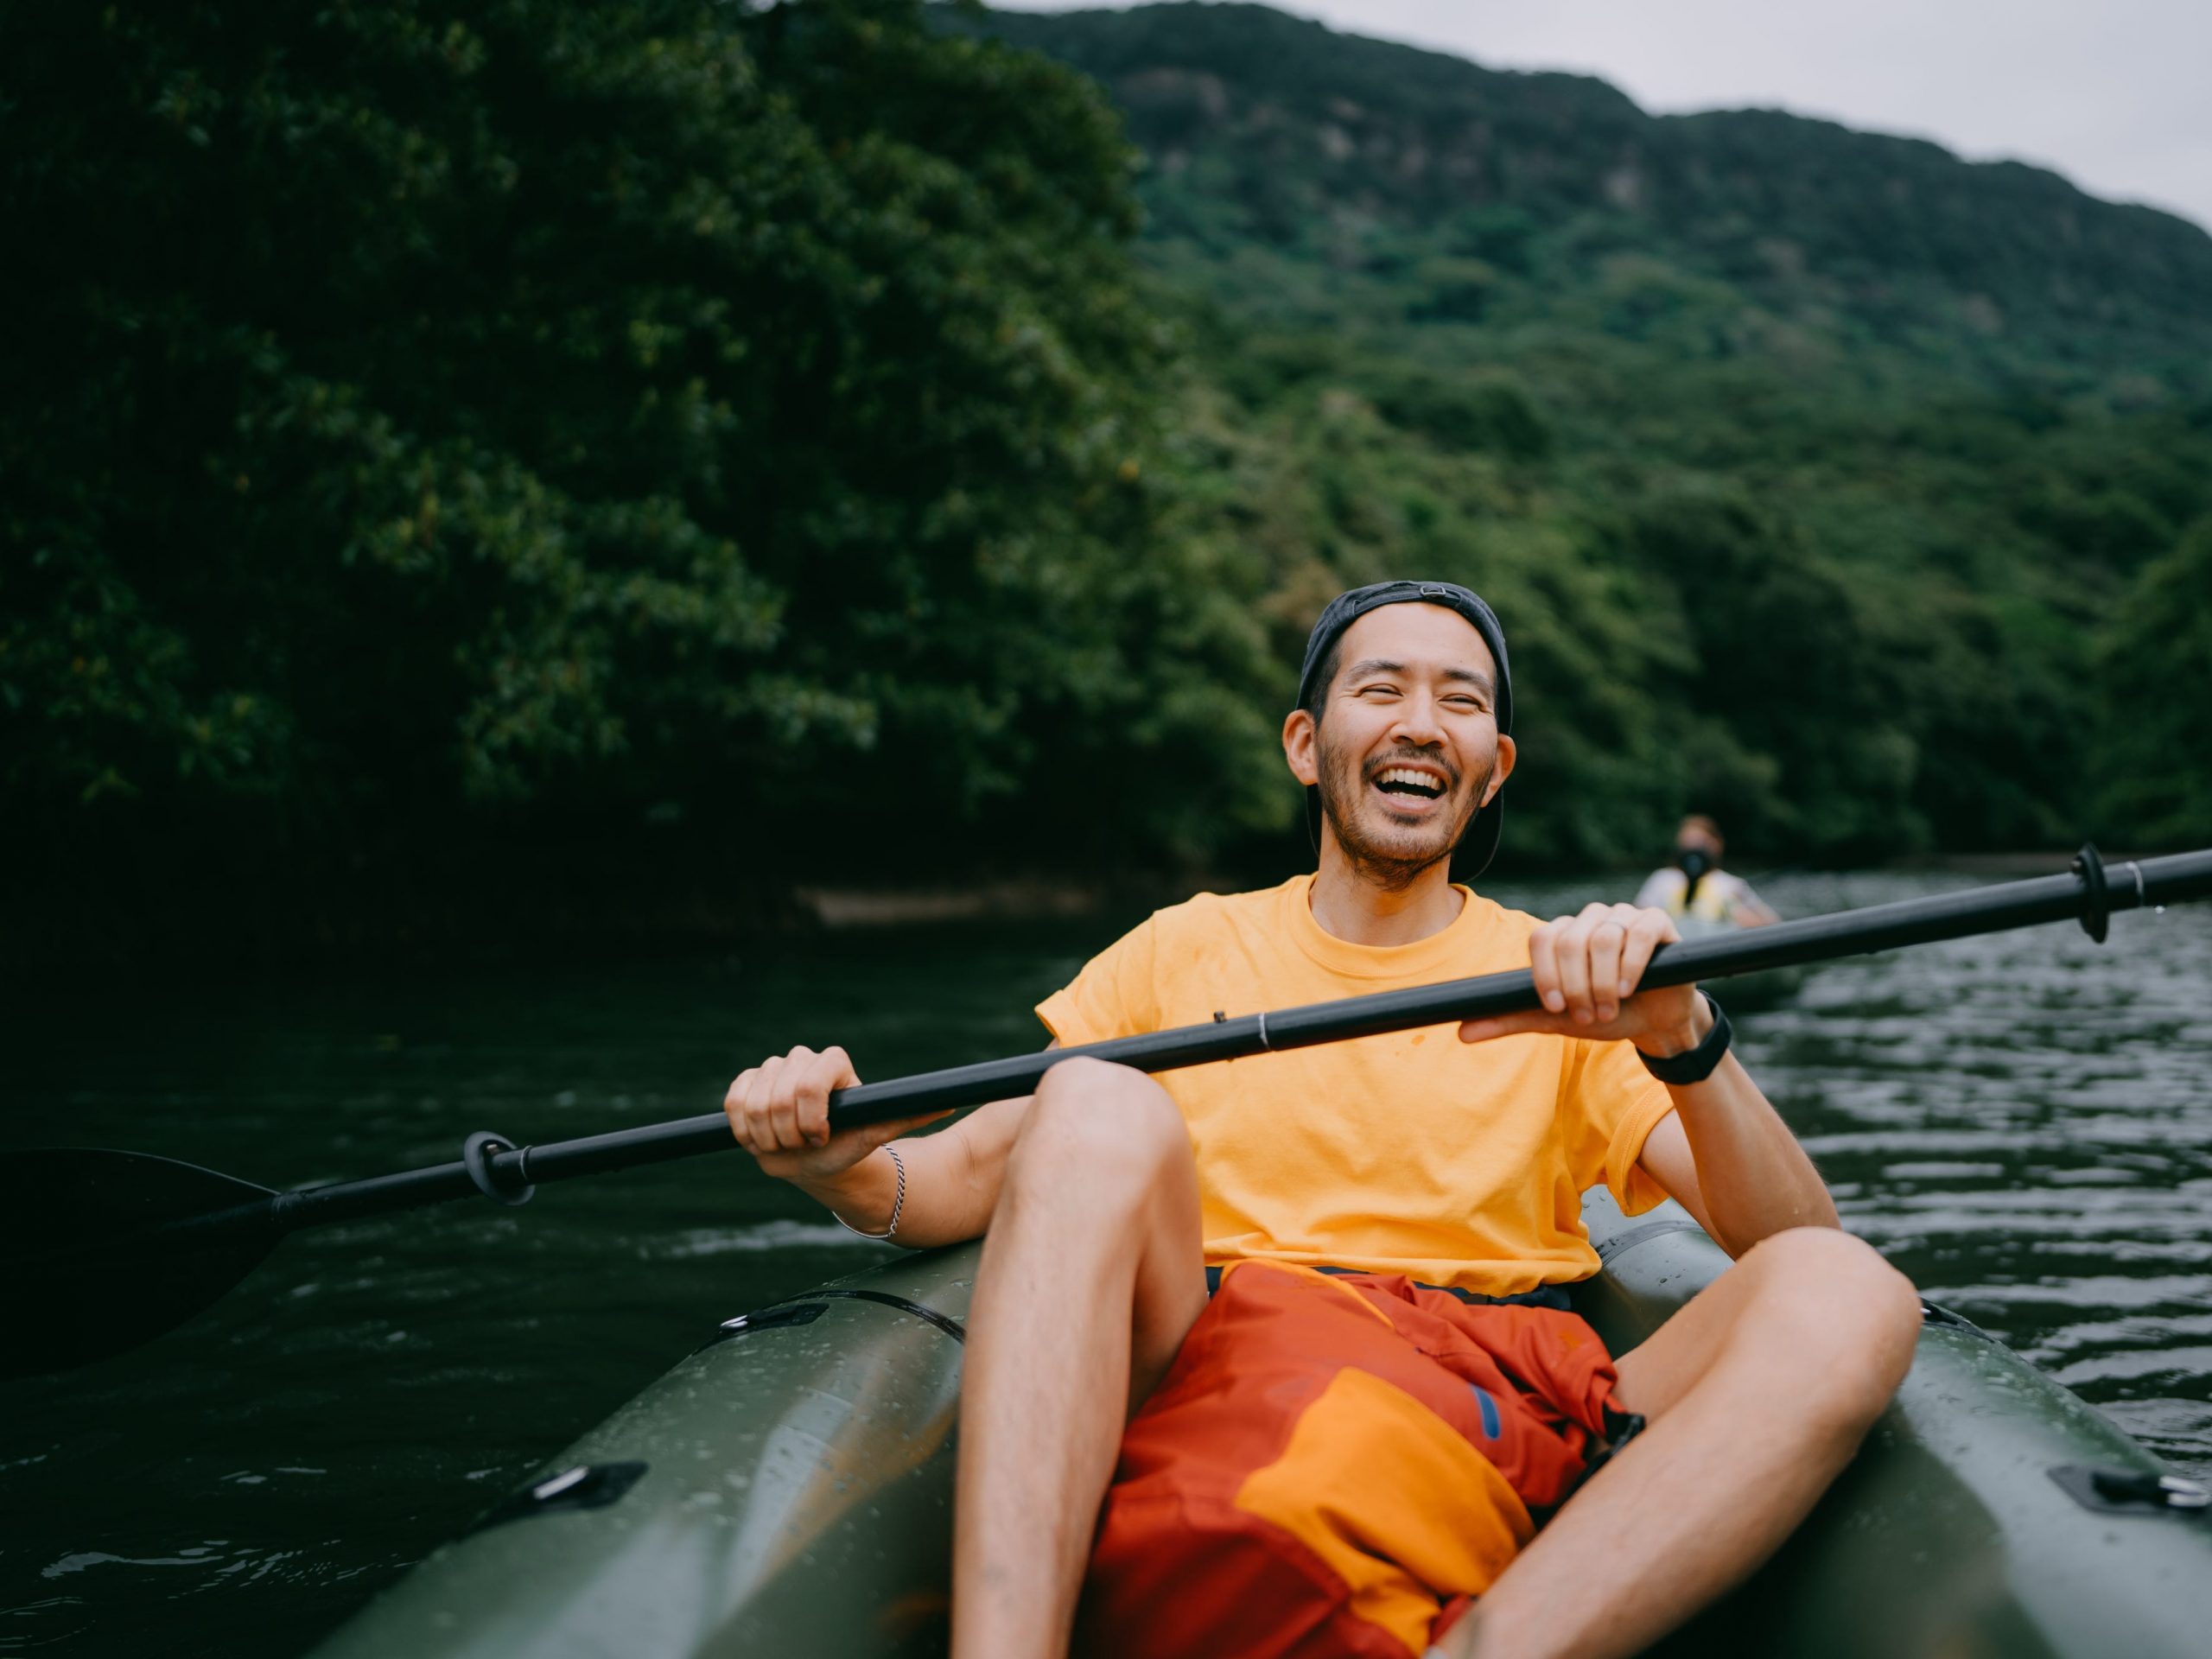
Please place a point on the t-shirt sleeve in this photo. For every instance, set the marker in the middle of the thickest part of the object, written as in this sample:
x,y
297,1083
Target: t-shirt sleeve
x,y
1115,996
1615,1104
1661,888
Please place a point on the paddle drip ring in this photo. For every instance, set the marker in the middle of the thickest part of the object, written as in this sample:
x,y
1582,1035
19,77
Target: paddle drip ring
x,y
476,1154
2096,915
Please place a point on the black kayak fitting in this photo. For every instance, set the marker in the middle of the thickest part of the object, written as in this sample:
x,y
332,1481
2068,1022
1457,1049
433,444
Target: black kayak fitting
x,y
2096,909
476,1154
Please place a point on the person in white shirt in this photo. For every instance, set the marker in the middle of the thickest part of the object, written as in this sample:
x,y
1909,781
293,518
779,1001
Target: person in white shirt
x,y
1694,885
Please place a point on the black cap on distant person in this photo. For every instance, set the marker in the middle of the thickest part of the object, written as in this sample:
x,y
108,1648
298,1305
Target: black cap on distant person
x,y
1479,844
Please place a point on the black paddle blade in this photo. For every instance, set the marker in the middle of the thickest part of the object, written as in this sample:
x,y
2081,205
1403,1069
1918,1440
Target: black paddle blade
x,y
100,1251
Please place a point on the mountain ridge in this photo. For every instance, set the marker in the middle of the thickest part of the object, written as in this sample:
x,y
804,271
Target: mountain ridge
x,y
1300,125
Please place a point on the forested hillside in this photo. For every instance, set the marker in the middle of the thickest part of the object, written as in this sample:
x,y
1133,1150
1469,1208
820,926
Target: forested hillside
x,y
1825,479
474,464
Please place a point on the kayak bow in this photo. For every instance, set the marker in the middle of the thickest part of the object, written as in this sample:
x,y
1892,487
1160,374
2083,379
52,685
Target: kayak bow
x,y
787,1488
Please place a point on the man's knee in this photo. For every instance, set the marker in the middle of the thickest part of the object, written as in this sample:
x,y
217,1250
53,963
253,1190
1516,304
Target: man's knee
x,y
1098,1130
1845,1315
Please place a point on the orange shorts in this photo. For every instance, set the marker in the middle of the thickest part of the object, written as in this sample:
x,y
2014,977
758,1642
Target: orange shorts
x,y
1336,1466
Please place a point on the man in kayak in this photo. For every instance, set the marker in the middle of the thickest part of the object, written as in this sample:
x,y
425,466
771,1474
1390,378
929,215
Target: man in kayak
x,y
1695,886
1358,1434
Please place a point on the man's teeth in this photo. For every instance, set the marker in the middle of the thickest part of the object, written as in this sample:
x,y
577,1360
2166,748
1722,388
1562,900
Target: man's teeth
x,y
1406,777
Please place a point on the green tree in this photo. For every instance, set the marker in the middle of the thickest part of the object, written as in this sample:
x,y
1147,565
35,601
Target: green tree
x,y
473,418
2155,669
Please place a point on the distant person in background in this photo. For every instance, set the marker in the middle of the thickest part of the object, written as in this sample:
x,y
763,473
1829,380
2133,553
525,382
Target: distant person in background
x,y
1694,885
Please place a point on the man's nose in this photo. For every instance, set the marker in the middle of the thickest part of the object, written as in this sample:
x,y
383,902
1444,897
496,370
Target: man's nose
x,y
1420,720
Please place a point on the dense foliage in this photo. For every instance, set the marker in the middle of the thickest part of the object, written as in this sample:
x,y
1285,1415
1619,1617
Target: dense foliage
x,y
668,450
442,425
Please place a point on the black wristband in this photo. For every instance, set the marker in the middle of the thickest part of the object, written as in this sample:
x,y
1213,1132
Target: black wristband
x,y
1694,1065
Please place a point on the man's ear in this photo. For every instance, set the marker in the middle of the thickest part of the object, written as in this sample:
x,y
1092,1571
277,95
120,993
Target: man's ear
x,y
1298,747
1502,771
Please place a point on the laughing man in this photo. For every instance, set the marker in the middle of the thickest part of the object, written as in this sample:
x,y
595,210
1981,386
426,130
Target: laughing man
x,y
1272,1357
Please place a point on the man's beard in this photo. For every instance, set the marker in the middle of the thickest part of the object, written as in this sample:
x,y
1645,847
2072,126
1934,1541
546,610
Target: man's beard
x,y
1394,863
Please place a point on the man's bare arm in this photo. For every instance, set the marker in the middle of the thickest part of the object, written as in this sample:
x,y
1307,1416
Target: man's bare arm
x,y
952,1180
780,1111
1731,1160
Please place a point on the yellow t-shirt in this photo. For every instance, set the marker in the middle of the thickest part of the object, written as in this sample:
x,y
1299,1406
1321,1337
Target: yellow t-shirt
x,y
1412,1151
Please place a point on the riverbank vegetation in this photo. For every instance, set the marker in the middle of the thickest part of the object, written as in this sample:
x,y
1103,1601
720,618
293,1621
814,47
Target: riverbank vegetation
x,y
477,462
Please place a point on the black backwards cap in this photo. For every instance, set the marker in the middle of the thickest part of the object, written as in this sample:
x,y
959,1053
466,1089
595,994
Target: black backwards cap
x,y
1479,845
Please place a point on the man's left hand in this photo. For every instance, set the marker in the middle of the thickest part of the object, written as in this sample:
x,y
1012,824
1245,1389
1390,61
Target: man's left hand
x,y
1586,969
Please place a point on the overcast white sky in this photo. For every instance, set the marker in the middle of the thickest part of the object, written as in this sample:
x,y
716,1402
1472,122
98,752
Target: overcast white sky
x,y
2115,94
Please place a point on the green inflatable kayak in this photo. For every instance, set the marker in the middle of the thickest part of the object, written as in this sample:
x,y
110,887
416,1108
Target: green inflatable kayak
x,y
787,1488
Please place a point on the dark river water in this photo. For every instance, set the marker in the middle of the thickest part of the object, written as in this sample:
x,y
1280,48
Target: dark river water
x,y
2024,1123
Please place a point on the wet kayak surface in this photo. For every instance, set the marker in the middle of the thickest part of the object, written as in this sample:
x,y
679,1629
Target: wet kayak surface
x,y
2023,1122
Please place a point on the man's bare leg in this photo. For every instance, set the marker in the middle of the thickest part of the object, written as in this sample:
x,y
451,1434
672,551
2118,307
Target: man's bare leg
x,y
1757,1395
1092,1274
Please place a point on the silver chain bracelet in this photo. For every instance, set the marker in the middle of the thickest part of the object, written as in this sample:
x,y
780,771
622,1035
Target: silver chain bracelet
x,y
897,1202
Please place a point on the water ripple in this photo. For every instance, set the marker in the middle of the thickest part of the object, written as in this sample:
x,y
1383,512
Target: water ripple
x,y
2021,1122
2024,1123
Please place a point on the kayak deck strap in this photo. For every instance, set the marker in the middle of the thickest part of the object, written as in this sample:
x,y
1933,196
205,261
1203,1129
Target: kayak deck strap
x,y
945,1322
2132,1492
1621,1242
1934,1313
806,1309
586,1486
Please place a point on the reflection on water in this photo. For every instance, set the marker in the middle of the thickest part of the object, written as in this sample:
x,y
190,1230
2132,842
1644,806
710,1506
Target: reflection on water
x,y
2024,1123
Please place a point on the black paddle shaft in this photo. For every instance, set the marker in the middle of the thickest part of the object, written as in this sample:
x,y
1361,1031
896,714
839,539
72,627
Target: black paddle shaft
x,y
2089,893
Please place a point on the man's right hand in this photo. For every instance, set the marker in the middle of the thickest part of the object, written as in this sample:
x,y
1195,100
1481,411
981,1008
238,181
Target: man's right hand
x,y
780,1112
